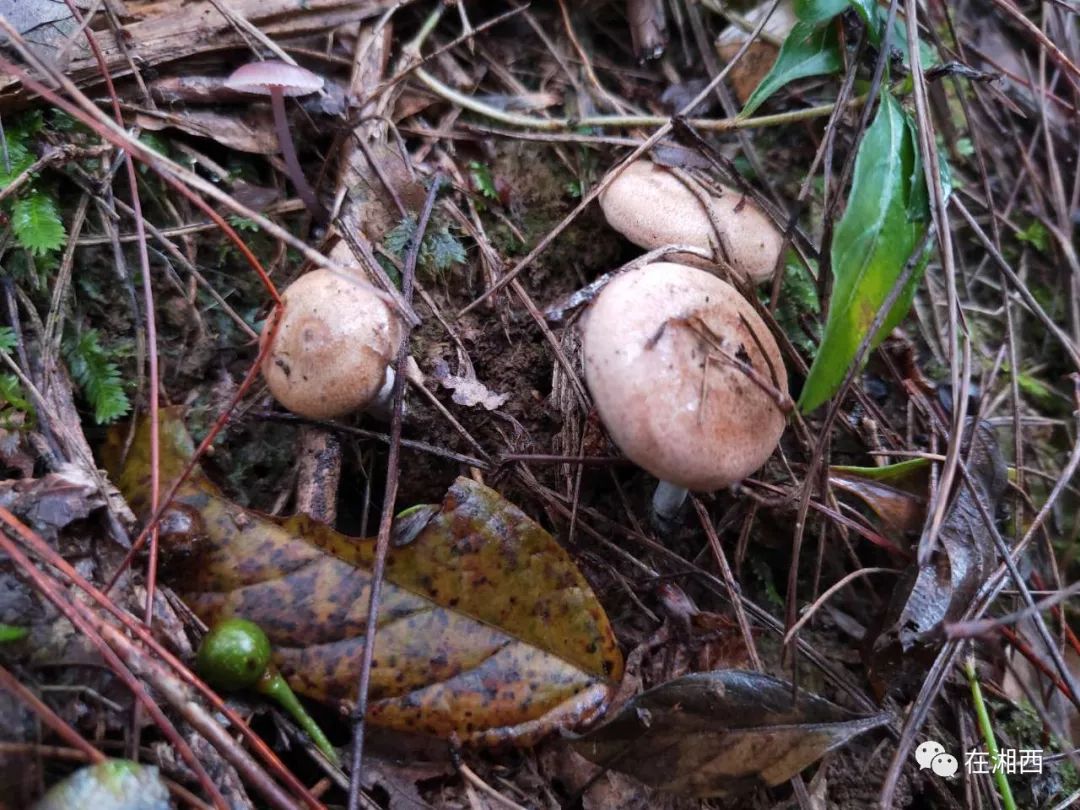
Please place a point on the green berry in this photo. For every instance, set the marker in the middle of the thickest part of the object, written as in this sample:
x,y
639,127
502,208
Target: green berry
x,y
234,654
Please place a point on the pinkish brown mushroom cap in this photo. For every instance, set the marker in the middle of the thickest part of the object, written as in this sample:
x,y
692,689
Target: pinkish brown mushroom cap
x,y
670,400
259,77
652,207
333,347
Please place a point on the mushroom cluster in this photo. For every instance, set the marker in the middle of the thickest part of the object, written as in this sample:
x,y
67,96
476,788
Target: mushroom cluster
x,y
333,347
686,377
652,208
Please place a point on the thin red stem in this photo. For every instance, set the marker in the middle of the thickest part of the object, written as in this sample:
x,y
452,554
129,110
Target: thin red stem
x,y
46,553
50,718
204,445
1070,636
151,341
1025,650
73,612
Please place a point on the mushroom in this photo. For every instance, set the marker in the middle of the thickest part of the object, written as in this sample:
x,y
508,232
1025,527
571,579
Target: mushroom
x,y
652,207
686,377
278,80
332,350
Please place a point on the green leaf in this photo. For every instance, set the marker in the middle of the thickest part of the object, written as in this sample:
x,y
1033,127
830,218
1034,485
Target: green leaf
x,y
439,251
885,219
807,51
11,393
19,159
7,339
868,13
819,11
37,224
9,633
1036,235
481,177
243,223
875,17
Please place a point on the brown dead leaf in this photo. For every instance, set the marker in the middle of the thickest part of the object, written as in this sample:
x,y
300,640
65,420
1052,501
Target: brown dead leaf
x,y
487,629
939,591
246,129
167,31
15,450
372,210
896,494
46,26
600,788
721,733
54,501
759,58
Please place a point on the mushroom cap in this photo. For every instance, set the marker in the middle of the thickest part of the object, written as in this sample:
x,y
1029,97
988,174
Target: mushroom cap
x,y
333,346
652,207
259,77
667,396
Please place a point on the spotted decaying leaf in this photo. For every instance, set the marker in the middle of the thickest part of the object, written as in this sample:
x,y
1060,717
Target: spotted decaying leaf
x,y
487,629
721,733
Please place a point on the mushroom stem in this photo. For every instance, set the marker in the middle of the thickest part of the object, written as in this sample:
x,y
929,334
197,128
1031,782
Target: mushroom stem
x,y
382,406
667,502
288,152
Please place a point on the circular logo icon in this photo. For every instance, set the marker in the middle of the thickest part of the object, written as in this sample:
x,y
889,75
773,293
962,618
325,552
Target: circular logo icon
x,y
944,765
926,752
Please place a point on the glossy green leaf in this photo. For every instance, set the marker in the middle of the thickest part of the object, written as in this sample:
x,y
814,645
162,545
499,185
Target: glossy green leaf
x,y
884,222
808,50
487,629
909,475
819,11
875,17
867,11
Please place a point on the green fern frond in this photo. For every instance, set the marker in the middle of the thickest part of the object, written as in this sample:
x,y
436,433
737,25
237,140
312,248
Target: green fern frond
x,y
19,159
397,241
11,396
37,224
439,251
16,154
98,377
442,250
11,393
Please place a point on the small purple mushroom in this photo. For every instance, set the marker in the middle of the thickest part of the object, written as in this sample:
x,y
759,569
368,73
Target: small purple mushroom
x,y
278,80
